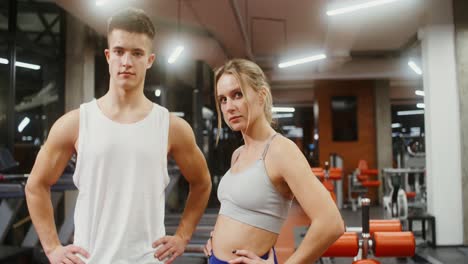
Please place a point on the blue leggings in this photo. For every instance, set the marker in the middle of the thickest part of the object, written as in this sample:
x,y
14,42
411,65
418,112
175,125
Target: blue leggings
x,y
214,260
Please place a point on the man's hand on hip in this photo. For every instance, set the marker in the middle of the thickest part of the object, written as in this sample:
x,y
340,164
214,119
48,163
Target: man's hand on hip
x,y
67,254
170,247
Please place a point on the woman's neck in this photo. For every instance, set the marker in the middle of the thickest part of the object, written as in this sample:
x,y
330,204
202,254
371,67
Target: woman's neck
x,y
257,133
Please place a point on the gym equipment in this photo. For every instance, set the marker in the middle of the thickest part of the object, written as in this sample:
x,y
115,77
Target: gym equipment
x,y
328,176
424,218
380,225
336,161
409,151
381,244
13,198
395,200
359,183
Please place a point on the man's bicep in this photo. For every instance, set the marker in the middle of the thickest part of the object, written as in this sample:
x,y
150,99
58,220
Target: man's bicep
x,y
56,152
184,150
49,166
192,163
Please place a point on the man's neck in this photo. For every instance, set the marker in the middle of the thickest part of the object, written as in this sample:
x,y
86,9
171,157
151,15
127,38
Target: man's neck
x,y
125,98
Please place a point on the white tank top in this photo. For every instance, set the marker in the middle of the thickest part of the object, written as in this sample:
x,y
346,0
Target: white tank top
x,y
121,174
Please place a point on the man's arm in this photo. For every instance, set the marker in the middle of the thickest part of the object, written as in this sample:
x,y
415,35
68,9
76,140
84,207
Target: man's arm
x,y
48,167
192,164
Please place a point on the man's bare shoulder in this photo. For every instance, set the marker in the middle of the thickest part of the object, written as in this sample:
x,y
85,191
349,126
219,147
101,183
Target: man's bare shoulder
x,y
178,126
65,130
180,131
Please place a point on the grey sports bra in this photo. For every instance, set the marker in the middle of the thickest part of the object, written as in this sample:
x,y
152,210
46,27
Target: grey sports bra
x,y
250,197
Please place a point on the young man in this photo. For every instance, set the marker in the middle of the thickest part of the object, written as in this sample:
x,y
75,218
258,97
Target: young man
x,y
122,141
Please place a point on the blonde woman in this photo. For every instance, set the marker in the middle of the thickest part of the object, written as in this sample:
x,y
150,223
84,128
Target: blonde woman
x,y
266,173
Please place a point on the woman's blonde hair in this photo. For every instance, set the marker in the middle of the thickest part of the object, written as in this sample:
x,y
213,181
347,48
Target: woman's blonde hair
x,y
248,74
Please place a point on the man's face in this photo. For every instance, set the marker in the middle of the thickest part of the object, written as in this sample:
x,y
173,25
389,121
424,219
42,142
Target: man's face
x,y
129,56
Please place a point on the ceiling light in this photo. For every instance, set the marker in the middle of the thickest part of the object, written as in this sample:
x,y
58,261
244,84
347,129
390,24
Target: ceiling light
x,y
420,105
23,124
157,92
22,64
28,65
287,115
419,92
356,7
175,54
283,109
415,67
410,112
303,60
396,125
179,114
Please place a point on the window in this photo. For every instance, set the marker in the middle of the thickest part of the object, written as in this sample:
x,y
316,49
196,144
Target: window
x,y
31,96
344,118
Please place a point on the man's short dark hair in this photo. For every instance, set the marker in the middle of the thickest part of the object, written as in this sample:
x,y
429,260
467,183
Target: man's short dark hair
x,y
132,20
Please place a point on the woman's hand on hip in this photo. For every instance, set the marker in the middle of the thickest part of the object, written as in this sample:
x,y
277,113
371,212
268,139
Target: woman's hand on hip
x,y
208,248
248,257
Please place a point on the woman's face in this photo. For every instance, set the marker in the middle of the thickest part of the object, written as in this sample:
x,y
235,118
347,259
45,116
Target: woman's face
x,y
234,105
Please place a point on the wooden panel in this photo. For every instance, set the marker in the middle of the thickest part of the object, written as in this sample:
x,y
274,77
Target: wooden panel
x,y
352,151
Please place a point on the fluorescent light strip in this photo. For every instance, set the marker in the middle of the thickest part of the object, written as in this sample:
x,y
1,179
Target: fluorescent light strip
x,y
353,8
410,112
22,64
175,54
27,65
396,125
179,114
420,105
415,67
419,92
301,61
23,124
283,109
287,115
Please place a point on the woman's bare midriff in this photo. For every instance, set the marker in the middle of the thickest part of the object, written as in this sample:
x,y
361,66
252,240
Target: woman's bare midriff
x,y
231,234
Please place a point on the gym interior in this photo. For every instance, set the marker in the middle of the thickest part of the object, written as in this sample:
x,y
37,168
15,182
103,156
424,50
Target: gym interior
x,y
380,111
